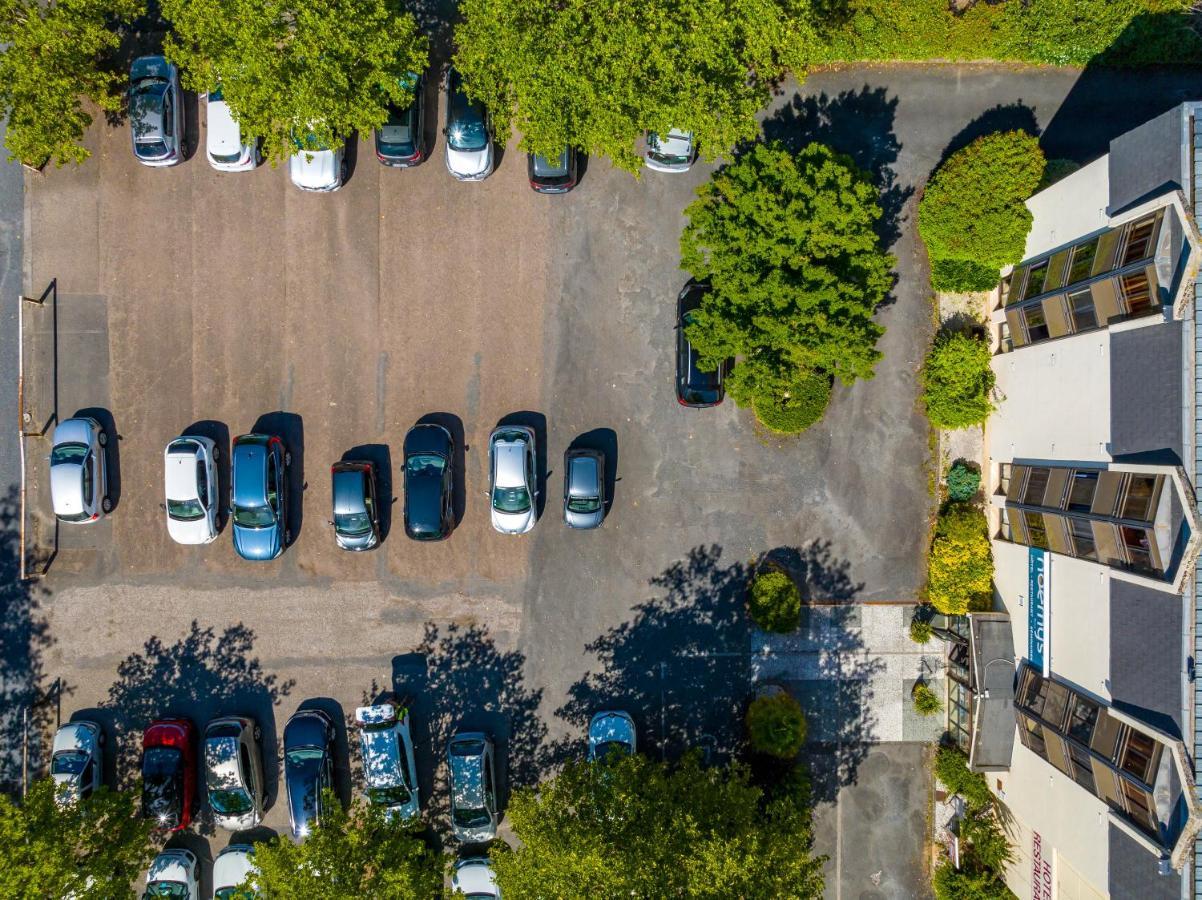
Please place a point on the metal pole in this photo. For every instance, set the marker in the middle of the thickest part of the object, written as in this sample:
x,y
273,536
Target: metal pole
x,y
24,750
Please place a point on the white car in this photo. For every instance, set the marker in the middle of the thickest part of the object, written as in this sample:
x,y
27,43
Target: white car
x,y
225,149
388,766
314,166
76,761
191,483
513,492
174,874
79,490
233,767
611,732
232,867
468,132
673,152
474,877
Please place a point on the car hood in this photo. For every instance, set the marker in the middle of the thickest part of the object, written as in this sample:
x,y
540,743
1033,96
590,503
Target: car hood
x,y
73,431
258,543
364,541
149,67
196,531
232,866
583,519
74,736
169,866
314,170
470,163
475,877
513,523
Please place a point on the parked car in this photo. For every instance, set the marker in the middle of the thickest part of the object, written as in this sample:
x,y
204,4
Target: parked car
x,y
77,760
609,733
260,496
694,387
191,486
388,767
308,768
400,141
79,487
232,867
468,132
156,112
169,773
673,152
555,174
429,483
233,762
473,877
512,479
583,488
356,519
174,874
474,816
225,147
315,166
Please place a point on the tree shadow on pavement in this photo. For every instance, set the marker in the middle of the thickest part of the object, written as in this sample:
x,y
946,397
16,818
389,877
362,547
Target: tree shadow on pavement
x,y
680,666
819,576
1016,116
859,124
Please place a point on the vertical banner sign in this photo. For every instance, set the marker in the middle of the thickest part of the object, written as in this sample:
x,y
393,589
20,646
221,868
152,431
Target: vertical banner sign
x,y
1039,584
1041,871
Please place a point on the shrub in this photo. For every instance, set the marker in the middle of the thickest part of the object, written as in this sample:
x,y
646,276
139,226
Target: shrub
x,y
956,381
960,574
963,481
776,726
973,216
805,404
950,883
926,703
774,601
1055,170
920,631
951,768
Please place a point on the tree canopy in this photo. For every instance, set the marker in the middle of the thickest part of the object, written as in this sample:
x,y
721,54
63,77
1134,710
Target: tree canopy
x,y
957,380
56,55
639,828
91,850
352,854
788,247
960,574
596,74
328,69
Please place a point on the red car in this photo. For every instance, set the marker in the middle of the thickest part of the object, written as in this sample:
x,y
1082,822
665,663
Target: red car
x,y
169,773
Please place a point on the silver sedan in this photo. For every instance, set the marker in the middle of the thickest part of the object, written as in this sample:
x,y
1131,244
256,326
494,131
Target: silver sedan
x,y
513,492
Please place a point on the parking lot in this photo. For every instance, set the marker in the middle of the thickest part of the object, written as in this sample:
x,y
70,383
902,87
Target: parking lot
x,y
216,302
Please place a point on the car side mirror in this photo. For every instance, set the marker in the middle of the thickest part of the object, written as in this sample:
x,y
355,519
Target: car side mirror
x,y
163,506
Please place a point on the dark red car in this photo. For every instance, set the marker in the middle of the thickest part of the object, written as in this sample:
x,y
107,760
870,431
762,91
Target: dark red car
x,y
169,773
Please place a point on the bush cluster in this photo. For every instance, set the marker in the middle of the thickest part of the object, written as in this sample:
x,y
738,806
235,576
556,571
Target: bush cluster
x,y
985,849
920,631
957,380
963,481
776,726
960,570
774,601
926,701
804,405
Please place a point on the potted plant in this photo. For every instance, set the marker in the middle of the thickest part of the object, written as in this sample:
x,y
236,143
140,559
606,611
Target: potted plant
x,y
776,726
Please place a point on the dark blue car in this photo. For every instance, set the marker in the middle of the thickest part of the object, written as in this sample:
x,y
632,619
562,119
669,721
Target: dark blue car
x,y
308,768
429,483
259,512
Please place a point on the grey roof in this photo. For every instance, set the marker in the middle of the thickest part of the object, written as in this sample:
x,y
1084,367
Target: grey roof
x,y
1147,160
1146,684
1145,390
1134,871
991,643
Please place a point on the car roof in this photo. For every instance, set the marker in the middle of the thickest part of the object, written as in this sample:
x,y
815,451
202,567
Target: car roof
x,y
584,475
467,776
66,487
551,167
510,463
224,136
348,487
250,472
221,763
381,756
179,463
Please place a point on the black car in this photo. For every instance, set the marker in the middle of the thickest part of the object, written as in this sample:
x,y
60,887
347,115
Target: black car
x,y
693,386
429,483
356,514
308,768
400,141
553,175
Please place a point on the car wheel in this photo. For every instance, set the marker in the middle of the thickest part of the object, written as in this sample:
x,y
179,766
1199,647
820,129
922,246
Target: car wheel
x,y
107,505
216,454
102,439
258,732
287,457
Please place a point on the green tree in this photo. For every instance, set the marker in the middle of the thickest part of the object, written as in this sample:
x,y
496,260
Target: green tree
x,y
595,74
973,216
329,68
92,850
957,379
56,55
639,828
355,854
774,601
788,245
960,572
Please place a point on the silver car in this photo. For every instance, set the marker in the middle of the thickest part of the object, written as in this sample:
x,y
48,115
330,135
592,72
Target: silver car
x,y
583,488
156,112
314,166
233,766
468,132
76,762
388,766
474,816
191,487
512,479
674,152
79,488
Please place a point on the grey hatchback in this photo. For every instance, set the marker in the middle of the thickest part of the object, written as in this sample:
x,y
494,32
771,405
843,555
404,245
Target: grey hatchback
x,y
356,518
156,114
583,488
474,816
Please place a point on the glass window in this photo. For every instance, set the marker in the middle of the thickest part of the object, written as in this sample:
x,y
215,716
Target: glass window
x,y
1083,255
1082,717
202,483
1033,692
1082,768
1136,292
1037,324
1004,288
1138,756
1036,486
1084,316
1083,542
1137,502
1139,807
1138,546
1037,534
1035,279
1056,706
1080,495
1139,241
1032,734
87,481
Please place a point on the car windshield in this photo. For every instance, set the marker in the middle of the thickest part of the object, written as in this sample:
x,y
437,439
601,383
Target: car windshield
x,y
226,157
607,749
511,499
470,818
253,516
308,142
230,802
655,150
303,756
466,131
353,523
397,795
166,889
151,149
185,510
584,504
68,762
68,454
425,464
396,135
160,764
